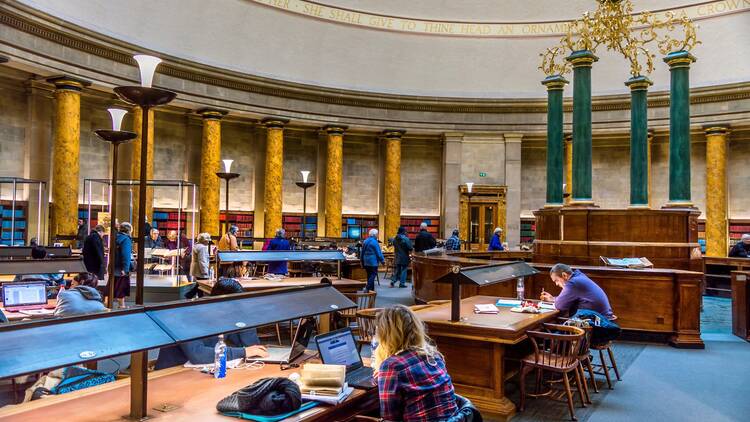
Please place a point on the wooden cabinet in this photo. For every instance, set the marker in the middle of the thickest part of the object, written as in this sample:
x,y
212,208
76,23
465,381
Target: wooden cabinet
x,y
740,304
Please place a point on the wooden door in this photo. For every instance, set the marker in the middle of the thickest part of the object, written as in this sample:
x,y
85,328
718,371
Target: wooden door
x,y
480,214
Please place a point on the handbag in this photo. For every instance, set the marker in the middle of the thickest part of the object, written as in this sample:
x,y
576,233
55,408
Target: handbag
x,y
74,378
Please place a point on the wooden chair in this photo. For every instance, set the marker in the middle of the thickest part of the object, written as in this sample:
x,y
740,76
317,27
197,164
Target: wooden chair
x,y
363,300
389,266
555,351
366,324
439,302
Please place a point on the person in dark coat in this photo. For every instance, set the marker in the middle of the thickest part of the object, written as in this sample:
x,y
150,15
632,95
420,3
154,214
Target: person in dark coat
x,y
93,252
201,351
371,256
741,249
401,247
278,243
153,240
424,240
496,244
80,234
123,255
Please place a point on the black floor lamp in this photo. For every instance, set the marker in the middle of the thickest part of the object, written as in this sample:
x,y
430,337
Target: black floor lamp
x,y
304,184
227,175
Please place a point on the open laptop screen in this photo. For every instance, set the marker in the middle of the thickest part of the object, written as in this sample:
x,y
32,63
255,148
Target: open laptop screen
x,y
339,348
24,294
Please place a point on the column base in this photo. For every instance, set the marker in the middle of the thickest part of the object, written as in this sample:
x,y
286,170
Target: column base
x,y
558,205
581,203
639,207
678,204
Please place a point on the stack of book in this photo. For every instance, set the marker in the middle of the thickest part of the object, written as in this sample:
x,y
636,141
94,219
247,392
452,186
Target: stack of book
x,y
485,309
324,383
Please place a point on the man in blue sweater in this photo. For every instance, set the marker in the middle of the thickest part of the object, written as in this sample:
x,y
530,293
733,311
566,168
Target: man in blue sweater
x,y
578,292
278,243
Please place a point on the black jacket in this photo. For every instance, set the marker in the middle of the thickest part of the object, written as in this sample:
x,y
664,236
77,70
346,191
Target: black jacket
x,y
740,250
93,254
424,241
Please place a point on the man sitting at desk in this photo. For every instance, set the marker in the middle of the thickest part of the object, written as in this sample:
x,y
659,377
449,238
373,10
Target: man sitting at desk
x,y
278,243
201,352
741,249
153,240
578,292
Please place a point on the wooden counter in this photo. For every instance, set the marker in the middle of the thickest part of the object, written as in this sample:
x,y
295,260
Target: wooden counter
x,y
660,304
193,393
717,274
475,349
740,304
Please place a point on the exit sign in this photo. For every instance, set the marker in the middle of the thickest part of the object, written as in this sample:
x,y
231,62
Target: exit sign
x,y
482,174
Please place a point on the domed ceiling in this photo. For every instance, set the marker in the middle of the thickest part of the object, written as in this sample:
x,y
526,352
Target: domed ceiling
x,y
443,48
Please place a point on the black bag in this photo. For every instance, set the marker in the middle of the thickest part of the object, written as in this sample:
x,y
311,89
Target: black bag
x,y
267,396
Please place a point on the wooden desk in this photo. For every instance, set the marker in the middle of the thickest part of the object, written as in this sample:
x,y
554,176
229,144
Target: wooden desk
x,y
717,274
740,304
195,394
475,349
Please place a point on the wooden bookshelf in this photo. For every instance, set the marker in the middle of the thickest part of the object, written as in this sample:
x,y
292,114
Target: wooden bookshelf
x,y
412,223
350,223
8,226
528,230
244,220
292,224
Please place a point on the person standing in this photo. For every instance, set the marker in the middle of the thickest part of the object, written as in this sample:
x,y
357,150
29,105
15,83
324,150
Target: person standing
x,y
496,244
454,242
123,261
199,266
371,256
401,247
278,243
424,240
93,252
80,234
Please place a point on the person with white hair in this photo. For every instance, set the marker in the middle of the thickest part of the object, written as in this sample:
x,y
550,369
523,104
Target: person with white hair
x,y
424,239
199,265
371,256
496,244
278,243
741,249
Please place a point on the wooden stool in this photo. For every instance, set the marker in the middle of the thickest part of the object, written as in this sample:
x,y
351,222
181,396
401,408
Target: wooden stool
x,y
605,368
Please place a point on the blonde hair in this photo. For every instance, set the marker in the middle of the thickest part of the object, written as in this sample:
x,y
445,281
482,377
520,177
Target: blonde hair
x,y
398,329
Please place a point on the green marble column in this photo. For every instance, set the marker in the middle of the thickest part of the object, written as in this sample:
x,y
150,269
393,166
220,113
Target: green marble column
x,y
638,140
555,85
679,128
582,61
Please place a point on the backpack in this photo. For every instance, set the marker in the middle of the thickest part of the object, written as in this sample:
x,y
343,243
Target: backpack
x,y
602,329
75,378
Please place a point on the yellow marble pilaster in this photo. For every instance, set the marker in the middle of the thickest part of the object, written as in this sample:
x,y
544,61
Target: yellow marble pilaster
x,y
568,192
272,196
66,156
334,179
392,188
650,139
135,172
210,164
716,191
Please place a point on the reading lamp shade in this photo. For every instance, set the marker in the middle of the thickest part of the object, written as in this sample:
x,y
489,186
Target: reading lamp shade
x,y
227,165
305,174
147,66
117,116
469,185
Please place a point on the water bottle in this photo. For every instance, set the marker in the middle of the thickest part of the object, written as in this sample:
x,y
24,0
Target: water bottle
x,y
220,358
519,288
211,273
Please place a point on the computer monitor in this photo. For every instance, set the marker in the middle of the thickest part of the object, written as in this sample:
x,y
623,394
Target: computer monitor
x,y
354,232
24,294
339,348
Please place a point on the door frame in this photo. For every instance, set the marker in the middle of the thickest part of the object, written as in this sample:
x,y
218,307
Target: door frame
x,y
494,195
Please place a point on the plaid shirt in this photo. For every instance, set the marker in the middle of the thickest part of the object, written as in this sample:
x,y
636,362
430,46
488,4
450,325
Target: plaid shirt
x,y
411,389
453,243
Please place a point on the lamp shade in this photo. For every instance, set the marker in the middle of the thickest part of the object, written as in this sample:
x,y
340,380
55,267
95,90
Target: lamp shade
x,y
117,116
305,175
469,185
227,165
147,66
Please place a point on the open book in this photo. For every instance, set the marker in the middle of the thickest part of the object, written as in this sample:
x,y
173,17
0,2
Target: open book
x,y
627,262
485,309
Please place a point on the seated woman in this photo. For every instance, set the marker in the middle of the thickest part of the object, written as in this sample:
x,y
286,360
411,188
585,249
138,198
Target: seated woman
x,y
412,380
201,352
81,298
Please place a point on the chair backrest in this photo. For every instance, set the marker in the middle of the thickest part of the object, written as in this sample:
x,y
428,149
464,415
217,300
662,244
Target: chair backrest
x,y
366,323
466,411
558,348
363,300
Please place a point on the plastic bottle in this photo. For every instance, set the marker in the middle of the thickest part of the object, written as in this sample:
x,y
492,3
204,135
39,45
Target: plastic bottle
x,y
211,273
220,358
520,288
60,289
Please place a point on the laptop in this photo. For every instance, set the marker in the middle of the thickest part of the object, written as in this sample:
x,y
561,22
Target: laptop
x,y
24,296
287,354
339,348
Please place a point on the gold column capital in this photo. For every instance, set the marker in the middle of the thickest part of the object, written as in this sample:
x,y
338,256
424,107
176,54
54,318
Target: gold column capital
x,y
638,83
335,129
274,122
393,133
717,130
68,83
212,113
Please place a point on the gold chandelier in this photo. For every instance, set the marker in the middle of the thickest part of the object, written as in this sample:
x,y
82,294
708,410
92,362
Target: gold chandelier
x,y
614,25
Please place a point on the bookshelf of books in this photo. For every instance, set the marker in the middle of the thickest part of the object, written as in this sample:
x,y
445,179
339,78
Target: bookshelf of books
x,y
357,226
702,235
292,224
736,229
14,228
243,220
412,223
528,230
165,219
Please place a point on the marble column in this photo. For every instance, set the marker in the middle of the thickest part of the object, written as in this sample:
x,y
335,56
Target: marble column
x,y
452,158
513,182
582,62
679,128
135,170
334,179
392,188
639,141
716,191
555,85
210,164
66,155
568,168
272,195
